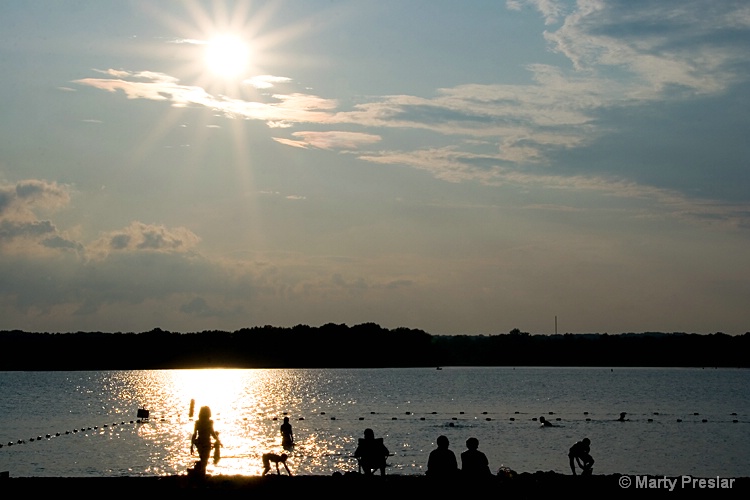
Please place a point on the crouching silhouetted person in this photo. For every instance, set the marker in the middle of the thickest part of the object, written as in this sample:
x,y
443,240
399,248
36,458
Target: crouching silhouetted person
x,y
579,454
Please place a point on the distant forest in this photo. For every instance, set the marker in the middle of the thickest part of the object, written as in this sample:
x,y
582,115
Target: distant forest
x,y
362,346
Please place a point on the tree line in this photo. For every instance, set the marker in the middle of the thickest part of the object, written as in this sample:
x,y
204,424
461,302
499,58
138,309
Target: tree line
x,y
361,346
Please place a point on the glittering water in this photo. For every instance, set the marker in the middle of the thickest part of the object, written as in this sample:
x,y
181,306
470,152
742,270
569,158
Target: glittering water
x,y
682,421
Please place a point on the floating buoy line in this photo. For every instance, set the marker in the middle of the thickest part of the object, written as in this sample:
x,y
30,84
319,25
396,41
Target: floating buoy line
x,y
143,417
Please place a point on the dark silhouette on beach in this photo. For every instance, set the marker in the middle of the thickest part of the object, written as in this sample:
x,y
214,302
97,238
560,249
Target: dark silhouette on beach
x,y
622,418
276,459
474,463
371,454
442,463
287,435
579,454
201,439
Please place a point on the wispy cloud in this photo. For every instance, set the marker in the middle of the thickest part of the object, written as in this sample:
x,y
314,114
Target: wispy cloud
x,y
335,139
266,81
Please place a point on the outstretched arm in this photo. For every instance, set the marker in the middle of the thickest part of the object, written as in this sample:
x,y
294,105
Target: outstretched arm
x,y
192,439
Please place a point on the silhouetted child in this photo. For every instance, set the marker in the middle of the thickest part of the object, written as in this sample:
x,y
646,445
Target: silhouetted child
x,y
474,463
441,463
287,436
201,439
579,453
277,459
371,453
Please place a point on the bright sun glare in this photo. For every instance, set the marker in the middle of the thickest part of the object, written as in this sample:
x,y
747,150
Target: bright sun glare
x,y
227,56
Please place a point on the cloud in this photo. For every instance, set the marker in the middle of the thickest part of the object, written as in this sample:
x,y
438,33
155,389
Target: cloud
x,y
266,81
331,139
278,111
199,307
20,206
139,236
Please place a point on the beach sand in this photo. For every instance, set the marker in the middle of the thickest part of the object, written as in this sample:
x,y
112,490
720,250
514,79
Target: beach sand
x,y
367,486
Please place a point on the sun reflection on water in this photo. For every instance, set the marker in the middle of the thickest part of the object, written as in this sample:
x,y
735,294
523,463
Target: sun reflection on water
x,y
247,407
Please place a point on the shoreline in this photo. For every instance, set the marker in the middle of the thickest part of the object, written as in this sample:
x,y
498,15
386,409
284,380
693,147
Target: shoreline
x,y
549,482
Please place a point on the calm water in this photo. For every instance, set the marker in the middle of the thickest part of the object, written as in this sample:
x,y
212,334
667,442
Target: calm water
x,y
409,408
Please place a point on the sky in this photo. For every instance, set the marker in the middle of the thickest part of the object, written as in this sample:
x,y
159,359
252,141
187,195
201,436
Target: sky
x,y
455,167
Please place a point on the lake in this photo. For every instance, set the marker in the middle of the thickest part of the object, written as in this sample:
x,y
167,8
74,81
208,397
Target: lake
x,y
681,421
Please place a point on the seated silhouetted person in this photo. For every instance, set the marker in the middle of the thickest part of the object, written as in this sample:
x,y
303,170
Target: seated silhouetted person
x,y
579,453
442,463
371,453
277,459
474,463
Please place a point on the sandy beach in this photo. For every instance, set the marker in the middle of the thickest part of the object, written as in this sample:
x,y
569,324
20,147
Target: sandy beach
x,y
523,483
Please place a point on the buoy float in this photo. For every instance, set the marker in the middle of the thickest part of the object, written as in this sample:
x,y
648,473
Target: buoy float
x,y
361,418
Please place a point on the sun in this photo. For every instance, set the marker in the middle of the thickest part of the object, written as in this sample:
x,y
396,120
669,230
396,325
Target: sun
x,y
227,56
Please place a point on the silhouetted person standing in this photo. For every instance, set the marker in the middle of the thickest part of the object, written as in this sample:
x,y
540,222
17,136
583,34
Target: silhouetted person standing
x,y
287,436
442,462
580,453
371,453
201,439
474,463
